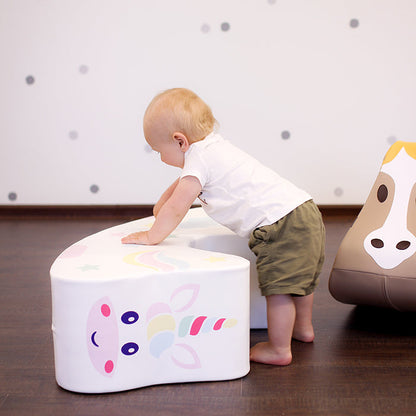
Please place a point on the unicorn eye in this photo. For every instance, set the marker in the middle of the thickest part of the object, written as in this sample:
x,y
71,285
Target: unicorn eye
x,y
130,348
382,193
130,317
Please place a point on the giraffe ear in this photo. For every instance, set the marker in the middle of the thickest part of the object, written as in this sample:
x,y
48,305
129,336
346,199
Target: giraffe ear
x,y
184,297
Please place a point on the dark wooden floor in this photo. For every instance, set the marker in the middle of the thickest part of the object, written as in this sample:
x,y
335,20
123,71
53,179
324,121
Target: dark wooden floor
x,y
363,361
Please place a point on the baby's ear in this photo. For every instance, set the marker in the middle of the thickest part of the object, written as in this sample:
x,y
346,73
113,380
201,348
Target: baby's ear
x,y
182,140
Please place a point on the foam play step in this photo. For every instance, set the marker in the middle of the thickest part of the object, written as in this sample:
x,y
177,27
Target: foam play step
x,y
128,316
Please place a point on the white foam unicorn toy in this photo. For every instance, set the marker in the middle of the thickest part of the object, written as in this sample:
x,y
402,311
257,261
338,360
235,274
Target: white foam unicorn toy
x,y
128,316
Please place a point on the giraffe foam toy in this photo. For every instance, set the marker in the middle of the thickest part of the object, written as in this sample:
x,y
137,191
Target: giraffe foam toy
x,y
376,262
129,316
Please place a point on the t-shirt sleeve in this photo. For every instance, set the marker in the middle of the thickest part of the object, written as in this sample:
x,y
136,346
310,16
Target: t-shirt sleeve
x,y
194,166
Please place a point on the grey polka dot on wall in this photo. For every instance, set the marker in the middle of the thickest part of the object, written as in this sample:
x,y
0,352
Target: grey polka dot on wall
x,y
271,1
94,189
225,26
83,69
73,135
285,135
12,196
391,140
30,80
338,191
354,23
205,28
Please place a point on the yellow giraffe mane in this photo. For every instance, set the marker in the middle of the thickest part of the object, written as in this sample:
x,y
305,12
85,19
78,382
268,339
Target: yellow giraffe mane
x,y
409,147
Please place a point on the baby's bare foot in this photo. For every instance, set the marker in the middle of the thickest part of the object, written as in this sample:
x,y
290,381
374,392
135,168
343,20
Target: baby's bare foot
x,y
303,333
264,353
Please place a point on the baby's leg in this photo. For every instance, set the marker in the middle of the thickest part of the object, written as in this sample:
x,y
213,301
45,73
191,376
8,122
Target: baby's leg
x,y
303,329
281,313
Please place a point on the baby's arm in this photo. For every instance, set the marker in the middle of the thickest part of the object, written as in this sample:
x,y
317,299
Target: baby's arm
x,y
165,196
170,214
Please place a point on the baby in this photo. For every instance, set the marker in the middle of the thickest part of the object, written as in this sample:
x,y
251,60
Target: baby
x,y
283,224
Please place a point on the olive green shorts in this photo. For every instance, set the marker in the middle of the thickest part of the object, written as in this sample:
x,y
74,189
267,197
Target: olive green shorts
x,y
290,253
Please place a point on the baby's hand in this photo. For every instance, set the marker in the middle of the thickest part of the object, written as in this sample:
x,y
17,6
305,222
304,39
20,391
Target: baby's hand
x,y
136,238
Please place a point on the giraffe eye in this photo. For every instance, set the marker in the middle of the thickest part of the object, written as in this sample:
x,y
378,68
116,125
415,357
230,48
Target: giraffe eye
x,y
382,193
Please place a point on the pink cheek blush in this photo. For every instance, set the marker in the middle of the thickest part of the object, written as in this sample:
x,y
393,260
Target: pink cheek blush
x,y
105,310
109,367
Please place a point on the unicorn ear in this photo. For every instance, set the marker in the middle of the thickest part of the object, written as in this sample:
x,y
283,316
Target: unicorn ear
x,y
184,297
185,356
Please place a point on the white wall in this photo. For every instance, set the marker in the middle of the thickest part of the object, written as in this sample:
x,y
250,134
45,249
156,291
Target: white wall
x,y
338,77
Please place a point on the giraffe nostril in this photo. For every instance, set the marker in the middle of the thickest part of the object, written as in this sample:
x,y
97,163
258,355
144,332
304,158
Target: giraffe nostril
x,y
403,245
377,243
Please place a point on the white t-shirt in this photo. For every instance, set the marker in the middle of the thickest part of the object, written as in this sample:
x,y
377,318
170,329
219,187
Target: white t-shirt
x,y
237,190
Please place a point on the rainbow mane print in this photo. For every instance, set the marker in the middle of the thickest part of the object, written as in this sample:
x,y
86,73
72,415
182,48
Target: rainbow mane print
x,y
162,325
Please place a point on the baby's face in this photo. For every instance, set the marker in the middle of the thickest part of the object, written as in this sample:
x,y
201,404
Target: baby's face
x,y
169,150
157,128
160,141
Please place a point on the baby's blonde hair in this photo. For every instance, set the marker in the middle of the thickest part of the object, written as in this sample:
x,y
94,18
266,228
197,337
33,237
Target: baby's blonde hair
x,y
181,111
